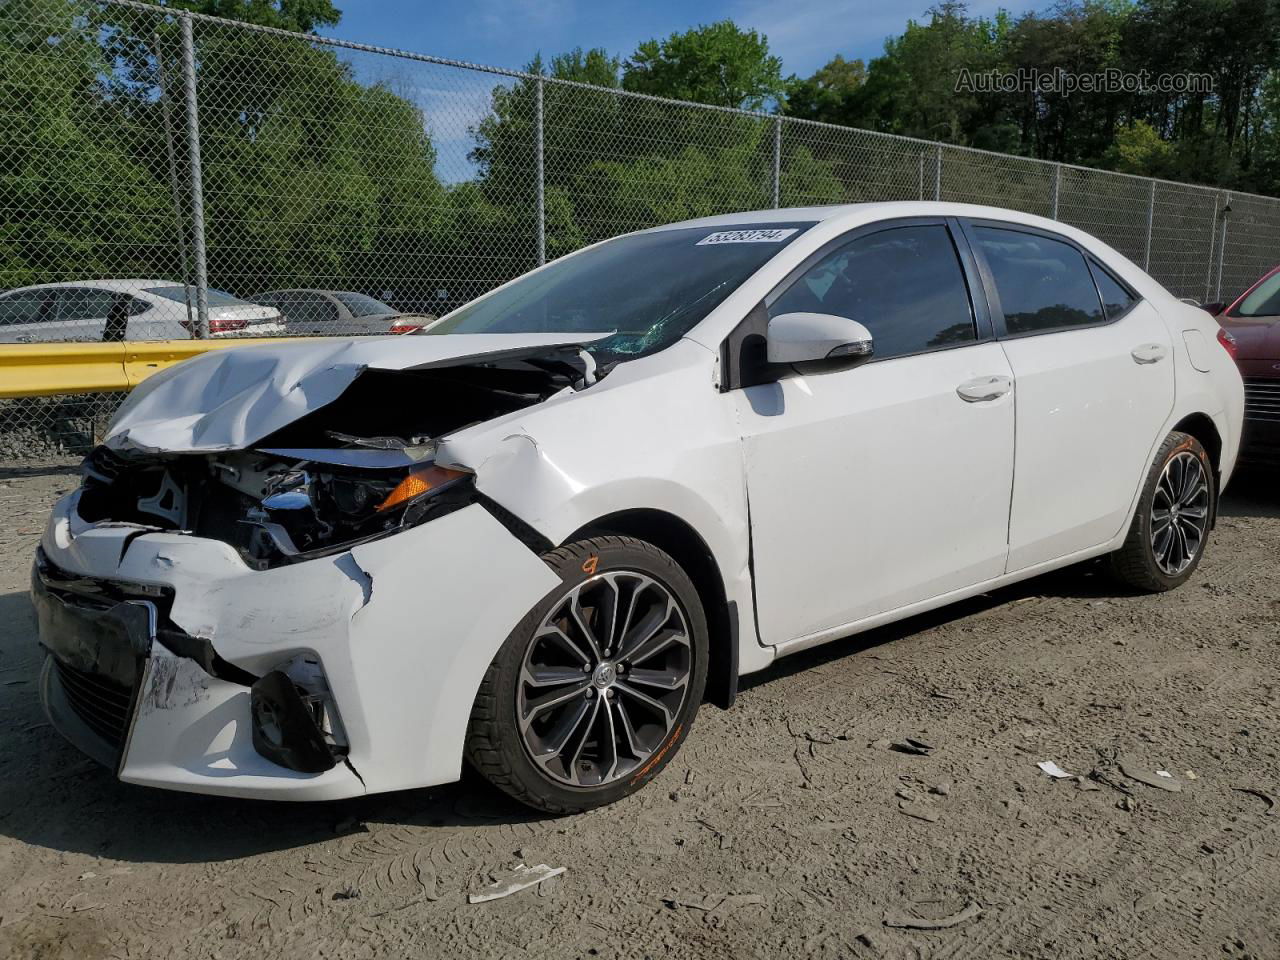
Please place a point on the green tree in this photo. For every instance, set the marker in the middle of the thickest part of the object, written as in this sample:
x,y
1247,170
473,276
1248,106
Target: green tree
x,y
824,95
719,64
76,202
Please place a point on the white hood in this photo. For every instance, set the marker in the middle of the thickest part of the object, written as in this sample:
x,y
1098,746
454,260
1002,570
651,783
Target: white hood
x,y
231,399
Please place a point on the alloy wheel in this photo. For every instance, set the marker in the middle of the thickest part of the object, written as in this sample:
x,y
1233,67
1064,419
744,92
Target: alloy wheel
x,y
604,678
1179,513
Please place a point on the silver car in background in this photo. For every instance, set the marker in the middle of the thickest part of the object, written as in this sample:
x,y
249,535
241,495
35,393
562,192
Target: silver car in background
x,y
108,310
310,312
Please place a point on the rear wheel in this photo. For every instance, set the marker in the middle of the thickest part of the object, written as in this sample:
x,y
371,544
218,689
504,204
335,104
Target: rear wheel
x,y
598,685
1171,525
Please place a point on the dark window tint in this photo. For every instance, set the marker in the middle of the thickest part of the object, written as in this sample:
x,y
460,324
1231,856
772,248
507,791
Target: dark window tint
x,y
76,304
1044,285
1116,298
215,298
905,285
25,306
361,306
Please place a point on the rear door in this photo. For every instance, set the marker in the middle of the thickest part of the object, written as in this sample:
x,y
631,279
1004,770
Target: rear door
x,y
1094,388
80,313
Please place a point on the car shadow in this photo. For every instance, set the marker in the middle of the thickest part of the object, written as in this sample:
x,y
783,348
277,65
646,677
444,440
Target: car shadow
x,y
53,796
1084,581
39,470
1254,491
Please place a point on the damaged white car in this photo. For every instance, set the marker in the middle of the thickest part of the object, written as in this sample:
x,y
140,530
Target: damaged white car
x,y
538,536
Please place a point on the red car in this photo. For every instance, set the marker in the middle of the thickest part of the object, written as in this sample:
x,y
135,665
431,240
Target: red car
x,y
1253,321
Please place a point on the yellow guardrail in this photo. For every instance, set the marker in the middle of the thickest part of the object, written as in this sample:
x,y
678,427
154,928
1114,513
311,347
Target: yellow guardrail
x,y
47,369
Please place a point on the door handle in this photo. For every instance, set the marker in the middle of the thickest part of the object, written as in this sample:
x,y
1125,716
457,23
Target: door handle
x,y
1148,353
982,389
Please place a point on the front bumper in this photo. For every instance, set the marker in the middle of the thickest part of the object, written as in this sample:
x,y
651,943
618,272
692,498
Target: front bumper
x,y
403,627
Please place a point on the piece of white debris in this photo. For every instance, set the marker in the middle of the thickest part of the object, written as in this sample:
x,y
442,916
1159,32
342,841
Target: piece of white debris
x,y
1164,773
1053,770
521,878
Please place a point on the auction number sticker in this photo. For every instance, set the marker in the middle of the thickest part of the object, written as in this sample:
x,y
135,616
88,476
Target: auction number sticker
x,y
747,236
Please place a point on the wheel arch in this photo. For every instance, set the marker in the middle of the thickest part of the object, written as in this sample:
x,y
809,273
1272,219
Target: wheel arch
x,y
1202,427
687,547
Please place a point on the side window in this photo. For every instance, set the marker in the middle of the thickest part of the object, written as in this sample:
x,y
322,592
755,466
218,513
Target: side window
x,y
905,284
23,306
82,304
1044,285
1116,298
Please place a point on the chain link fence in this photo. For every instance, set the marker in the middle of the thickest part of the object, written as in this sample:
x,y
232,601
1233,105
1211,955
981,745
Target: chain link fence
x,y
165,175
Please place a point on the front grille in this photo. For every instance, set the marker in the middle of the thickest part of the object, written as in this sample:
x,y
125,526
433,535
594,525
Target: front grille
x,y
101,703
1262,399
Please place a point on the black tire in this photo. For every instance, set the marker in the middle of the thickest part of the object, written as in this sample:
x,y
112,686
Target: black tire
x,y
495,744
1135,563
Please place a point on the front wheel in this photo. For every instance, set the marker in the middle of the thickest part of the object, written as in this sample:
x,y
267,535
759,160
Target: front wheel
x,y
1171,525
595,689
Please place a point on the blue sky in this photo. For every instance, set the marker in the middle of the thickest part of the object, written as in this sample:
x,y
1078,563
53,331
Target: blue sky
x,y
507,33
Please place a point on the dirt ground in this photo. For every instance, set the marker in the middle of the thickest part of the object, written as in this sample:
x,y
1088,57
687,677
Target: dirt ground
x,y
785,827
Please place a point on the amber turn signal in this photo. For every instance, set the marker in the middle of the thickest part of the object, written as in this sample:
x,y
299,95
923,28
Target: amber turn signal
x,y
417,483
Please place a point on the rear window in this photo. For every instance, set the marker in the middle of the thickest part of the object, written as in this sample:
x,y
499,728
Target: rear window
x,y
217,298
1116,298
362,306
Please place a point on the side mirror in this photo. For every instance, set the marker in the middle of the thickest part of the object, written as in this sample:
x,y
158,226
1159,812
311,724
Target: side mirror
x,y
1213,309
805,337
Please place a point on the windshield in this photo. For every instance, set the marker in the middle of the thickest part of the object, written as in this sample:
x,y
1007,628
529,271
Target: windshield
x,y
217,298
649,289
362,306
1262,301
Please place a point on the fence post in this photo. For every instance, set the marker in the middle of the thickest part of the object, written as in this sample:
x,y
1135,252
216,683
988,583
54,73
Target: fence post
x,y
777,162
937,175
1151,220
1212,240
1222,244
197,182
1057,187
174,189
541,174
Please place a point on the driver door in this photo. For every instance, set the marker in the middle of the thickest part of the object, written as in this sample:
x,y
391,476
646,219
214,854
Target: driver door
x,y
881,485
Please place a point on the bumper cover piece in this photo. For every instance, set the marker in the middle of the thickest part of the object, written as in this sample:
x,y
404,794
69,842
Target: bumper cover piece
x,y
284,730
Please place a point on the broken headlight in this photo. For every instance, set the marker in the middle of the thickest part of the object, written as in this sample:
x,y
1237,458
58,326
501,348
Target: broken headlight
x,y
310,511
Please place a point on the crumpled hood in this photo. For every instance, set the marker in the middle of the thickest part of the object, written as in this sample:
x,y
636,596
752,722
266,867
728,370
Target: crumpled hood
x,y
229,399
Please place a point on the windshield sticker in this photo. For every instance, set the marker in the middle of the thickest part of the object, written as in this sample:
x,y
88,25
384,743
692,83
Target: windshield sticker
x,y
747,236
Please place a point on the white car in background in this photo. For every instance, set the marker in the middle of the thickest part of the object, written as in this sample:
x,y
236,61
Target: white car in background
x,y
537,535
98,310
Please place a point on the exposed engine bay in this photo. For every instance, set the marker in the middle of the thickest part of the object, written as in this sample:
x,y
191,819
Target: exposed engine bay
x,y
354,470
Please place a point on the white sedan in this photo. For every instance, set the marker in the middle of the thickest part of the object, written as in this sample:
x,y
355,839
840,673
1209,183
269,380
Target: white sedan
x,y
99,310
539,536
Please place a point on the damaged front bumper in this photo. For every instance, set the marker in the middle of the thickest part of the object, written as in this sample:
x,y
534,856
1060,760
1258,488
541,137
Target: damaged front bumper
x,y
176,664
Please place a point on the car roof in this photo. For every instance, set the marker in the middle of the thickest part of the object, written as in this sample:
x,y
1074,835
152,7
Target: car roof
x,y
868,212
130,285
326,293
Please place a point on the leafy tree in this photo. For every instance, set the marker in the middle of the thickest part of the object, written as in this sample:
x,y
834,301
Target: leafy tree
x,y
720,64
824,95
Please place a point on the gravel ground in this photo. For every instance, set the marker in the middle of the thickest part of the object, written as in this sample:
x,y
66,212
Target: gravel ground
x,y
785,827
